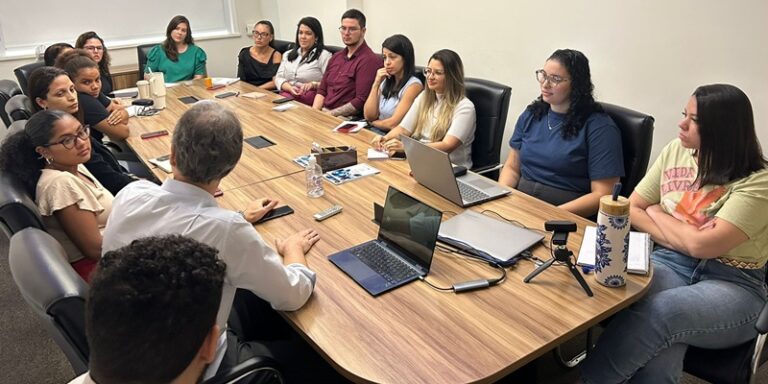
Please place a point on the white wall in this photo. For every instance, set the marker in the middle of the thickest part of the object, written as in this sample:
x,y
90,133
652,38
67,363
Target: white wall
x,y
647,55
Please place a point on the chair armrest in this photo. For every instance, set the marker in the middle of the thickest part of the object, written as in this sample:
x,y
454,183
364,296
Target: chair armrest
x,y
265,364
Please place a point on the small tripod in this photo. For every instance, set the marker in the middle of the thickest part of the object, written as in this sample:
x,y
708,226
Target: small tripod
x,y
561,253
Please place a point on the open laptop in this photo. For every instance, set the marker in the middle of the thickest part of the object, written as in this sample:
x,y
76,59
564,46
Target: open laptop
x,y
403,250
432,168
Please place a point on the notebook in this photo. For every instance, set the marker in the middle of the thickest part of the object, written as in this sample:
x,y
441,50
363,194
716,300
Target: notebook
x,y
432,168
484,235
638,260
403,250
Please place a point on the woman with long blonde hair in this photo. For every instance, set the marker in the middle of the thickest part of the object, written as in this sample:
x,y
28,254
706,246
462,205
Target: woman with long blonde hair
x,y
441,115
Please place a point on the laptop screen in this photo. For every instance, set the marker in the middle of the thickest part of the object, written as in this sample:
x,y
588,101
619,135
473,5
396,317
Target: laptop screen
x,y
410,225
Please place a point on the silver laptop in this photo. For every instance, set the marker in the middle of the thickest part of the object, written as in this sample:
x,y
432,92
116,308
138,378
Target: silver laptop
x,y
432,168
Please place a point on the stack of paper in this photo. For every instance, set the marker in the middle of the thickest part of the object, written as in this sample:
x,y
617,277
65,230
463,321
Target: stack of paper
x,y
640,247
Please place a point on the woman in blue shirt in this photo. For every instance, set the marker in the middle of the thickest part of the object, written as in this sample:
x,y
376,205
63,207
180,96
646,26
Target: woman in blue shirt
x,y
565,150
178,58
395,87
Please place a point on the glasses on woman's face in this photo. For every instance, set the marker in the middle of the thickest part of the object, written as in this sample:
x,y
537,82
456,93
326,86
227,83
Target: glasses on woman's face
x,y
260,35
429,72
68,141
94,48
542,77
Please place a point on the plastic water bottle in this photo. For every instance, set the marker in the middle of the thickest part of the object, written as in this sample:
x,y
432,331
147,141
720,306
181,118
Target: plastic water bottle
x,y
314,176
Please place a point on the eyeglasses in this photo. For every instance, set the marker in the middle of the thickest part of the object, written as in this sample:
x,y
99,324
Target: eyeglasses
x,y
348,29
542,77
94,48
68,141
429,72
262,35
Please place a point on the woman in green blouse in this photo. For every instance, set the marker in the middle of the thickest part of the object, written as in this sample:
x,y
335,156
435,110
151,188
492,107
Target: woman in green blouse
x,y
177,57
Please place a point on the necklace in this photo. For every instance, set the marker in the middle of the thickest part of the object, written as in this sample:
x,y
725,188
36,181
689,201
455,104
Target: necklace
x,y
556,125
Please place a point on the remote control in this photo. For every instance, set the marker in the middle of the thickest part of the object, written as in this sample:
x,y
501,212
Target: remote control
x,y
324,214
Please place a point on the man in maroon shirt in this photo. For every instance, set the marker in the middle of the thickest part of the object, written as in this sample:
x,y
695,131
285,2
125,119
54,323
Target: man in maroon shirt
x,y
350,72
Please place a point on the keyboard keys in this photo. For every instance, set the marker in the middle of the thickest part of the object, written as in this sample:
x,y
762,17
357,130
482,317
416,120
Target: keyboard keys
x,y
471,194
385,264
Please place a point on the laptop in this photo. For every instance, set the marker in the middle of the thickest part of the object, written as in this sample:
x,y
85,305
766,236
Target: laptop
x,y
402,251
432,168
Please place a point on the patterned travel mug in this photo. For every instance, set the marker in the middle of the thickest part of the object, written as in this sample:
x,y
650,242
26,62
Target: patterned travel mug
x,y
612,245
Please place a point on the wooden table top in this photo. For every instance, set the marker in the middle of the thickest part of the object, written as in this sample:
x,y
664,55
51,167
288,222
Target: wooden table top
x,y
413,333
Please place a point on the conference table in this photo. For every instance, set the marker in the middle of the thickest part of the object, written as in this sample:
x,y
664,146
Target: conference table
x,y
413,333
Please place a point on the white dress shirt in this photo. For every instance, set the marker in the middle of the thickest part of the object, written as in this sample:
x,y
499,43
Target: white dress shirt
x,y
145,209
300,72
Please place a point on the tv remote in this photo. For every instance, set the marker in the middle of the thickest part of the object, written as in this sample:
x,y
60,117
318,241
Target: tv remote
x,y
324,214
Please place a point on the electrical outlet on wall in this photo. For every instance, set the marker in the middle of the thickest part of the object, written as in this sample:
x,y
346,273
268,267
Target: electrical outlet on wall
x,y
249,28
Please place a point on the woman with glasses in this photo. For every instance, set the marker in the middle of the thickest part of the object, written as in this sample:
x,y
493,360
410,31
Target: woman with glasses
x,y
94,45
704,202
441,115
50,88
258,63
102,114
302,68
178,58
47,157
395,87
565,150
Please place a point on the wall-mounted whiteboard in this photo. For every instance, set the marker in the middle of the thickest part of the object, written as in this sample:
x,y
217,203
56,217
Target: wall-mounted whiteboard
x,y
27,24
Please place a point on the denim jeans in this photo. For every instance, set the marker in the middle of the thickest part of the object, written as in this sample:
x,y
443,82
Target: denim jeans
x,y
696,302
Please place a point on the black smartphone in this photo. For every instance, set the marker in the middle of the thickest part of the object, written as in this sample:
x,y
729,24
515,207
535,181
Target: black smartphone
x,y
399,155
275,213
259,142
189,99
225,95
282,100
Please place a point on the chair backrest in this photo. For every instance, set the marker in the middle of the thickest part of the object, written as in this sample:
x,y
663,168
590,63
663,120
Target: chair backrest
x,y
8,89
636,142
142,51
260,369
333,48
22,74
15,126
491,102
53,289
282,45
17,210
418,71
19,107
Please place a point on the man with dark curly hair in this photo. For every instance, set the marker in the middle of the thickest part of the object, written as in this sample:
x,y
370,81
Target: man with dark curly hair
x,y
151,312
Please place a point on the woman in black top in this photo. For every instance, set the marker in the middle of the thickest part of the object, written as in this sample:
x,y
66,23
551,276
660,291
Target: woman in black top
x,y
94,45
258,64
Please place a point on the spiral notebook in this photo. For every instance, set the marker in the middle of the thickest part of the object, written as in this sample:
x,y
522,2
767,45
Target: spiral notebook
x,y
640,247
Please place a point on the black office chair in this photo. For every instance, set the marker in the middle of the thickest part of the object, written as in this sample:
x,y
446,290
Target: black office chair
x,y
19,107
22,74
491,102
15,126
418,71
333,48
282,46
17,210
265,366
53,289
8,89
636,141
735,365
142,51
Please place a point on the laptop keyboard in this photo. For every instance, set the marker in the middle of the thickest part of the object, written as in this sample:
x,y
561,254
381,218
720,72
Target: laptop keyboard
x,y
471,194
388,266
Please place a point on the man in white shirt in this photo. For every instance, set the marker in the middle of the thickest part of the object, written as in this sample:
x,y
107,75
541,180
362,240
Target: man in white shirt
x,y
151,312
207,144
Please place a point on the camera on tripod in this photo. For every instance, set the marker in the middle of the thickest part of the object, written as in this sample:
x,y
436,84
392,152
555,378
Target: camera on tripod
x,y
561,229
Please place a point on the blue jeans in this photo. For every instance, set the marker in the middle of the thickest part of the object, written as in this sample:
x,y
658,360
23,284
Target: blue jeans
x,y
696,302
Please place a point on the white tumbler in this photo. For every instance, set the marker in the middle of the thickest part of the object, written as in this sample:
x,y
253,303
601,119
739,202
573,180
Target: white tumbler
x,y
612,245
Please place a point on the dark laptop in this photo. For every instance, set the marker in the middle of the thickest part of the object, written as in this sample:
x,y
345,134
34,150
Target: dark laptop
x,y
403,250
432,168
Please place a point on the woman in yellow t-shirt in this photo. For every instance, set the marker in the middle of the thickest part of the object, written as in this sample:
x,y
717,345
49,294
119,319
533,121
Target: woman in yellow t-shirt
x,y
705,203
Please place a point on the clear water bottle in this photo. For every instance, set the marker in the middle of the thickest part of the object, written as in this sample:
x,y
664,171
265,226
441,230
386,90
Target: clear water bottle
x,y
314,176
